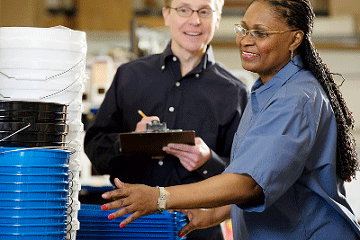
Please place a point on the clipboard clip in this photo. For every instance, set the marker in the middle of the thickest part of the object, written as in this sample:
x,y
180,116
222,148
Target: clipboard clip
x,y
156,126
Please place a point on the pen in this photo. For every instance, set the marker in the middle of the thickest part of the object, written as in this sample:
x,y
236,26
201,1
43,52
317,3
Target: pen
x,y
141,113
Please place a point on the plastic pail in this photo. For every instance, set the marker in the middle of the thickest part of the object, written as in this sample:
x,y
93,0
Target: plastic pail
x,y
33,157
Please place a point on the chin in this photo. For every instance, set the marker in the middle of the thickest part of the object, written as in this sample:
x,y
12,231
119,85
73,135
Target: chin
x,y
249,67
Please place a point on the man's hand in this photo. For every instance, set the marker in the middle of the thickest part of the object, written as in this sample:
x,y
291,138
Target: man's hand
x,y
141,126
191,157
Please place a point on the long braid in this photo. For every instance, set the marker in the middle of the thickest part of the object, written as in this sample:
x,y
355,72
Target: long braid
x,y
299,14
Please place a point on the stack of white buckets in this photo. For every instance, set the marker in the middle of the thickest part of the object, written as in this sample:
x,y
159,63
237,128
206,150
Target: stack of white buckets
x,y
48,65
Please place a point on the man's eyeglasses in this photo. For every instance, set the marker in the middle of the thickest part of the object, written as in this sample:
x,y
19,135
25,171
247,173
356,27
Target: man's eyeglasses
x,y
187,12
256,34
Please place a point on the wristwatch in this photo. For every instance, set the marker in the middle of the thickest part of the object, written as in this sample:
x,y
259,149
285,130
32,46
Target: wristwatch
x,y
161,203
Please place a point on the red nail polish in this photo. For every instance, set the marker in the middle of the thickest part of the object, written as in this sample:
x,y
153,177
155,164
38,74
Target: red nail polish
x,y
111,217
122,225
181,235
104,207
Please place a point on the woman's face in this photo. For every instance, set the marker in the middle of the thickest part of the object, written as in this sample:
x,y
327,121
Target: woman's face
x,y
191,34
264,56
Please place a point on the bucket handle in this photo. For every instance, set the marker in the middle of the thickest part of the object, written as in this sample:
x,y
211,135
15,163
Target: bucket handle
x,y
68,148
60,91
23,128
46,78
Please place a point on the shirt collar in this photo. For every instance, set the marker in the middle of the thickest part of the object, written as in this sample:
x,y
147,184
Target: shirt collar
x,y
282,76
261,93
207,61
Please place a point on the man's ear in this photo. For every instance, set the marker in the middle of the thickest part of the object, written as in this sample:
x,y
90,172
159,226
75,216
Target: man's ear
x,y
166,13
298,38
218,19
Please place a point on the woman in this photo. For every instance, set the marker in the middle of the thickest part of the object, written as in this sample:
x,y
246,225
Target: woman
x,y
293,149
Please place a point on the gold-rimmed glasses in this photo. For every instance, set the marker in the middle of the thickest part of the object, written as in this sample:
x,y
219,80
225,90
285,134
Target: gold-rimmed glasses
x,y
256,33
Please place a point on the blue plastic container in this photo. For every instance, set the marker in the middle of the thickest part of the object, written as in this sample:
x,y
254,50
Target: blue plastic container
x,y
125,234
34,219
35,236
55,202
33,156
23,177
114,227
94,224
32,211
33,186
32,228
34,194
36,169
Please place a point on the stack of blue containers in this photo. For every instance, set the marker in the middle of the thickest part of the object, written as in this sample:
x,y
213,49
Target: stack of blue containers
x,y
33,189
94,224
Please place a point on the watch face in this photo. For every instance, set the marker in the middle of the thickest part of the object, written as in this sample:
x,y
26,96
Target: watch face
x,y
161,204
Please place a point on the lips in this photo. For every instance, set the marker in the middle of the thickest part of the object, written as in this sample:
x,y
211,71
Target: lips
x,y
193,33
248,55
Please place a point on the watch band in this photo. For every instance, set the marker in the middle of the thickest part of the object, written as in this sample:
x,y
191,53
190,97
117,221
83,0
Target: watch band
x,y
161,203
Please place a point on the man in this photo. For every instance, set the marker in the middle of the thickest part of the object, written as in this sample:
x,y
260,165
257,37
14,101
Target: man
x,y
183,87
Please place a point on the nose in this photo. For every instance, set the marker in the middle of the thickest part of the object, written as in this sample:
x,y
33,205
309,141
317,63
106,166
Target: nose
x,y
247,40
195,18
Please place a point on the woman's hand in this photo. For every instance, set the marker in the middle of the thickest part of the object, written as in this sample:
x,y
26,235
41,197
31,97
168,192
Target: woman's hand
x,y
204,218
138,199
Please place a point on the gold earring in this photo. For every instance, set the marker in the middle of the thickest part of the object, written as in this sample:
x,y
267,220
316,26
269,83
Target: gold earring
x,y
291,54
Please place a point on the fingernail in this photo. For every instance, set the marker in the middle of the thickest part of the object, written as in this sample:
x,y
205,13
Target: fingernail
x,y
122,225
111,217
181,235
104,207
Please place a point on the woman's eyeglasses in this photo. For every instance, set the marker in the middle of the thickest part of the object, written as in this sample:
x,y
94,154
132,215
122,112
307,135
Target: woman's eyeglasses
x,y
256,34
187,12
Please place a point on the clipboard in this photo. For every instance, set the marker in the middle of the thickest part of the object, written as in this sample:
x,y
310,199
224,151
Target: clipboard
x,y
151,143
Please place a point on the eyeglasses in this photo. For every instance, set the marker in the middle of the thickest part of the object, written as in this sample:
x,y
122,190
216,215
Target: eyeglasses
x,y
187,12
256,34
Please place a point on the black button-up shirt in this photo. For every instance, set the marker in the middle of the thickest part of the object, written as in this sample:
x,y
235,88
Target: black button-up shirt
x,y
208,100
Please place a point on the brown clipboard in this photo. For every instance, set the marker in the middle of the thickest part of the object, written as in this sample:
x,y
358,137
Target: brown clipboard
x,y
151,143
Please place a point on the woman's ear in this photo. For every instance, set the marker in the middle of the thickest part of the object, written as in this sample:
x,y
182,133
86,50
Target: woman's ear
x,y
298,37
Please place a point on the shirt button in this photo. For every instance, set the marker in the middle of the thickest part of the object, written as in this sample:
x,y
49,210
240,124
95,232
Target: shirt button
x,y
174,59
177,84
171,109
197,75
161,163
163,67
205,172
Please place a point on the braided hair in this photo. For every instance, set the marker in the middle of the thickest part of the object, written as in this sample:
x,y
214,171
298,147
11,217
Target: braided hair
x,y
300,15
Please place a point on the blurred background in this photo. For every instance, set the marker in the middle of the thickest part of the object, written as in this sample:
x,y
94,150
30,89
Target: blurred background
x,y
121,30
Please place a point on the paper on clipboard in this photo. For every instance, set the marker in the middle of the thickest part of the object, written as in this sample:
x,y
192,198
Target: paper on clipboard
x,y
151,143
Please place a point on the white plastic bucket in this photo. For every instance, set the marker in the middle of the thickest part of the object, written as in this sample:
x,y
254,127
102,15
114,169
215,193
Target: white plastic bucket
x,y
41,70
56,94
38,54
60,34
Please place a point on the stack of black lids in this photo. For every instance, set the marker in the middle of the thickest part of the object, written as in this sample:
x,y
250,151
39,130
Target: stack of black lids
x,y
32,124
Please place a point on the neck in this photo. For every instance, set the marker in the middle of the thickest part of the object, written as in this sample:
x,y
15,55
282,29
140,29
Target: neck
x,y
188,60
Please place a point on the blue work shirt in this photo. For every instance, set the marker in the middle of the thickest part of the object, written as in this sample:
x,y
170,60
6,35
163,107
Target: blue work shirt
x,y
286,141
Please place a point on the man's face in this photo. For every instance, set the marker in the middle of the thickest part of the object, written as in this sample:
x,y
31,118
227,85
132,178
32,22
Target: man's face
x,y
193,33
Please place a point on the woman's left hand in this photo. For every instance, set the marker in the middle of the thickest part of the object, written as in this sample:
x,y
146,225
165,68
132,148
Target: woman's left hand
x,y
138,199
